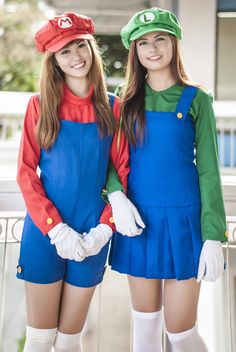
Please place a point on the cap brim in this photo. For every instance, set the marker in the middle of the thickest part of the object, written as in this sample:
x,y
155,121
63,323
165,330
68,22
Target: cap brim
x,y
149,30
63,41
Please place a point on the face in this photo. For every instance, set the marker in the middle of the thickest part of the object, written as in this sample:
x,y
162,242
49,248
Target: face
x,y
75,59
154,50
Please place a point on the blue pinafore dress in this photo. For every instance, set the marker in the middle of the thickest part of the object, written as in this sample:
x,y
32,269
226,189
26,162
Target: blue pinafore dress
x,y
73,174
164,186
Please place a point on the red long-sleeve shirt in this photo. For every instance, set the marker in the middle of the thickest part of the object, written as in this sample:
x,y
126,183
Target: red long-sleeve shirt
x,y
41,209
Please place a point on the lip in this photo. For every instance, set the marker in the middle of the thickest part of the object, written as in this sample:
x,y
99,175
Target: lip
x,y
155,58
79,65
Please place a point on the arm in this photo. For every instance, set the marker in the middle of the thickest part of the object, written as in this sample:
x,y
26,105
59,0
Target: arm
x,y
125,215
42,211
113,182
118,169
213,221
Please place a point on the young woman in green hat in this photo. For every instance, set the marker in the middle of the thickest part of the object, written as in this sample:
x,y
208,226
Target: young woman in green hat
x,y
174,182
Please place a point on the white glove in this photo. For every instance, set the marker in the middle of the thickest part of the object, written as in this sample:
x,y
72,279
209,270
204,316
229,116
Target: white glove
x,y
96,238
68,242
211,263
125,215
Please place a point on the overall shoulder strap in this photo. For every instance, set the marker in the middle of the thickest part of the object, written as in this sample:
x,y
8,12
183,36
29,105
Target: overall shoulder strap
x,y
111,97
185,101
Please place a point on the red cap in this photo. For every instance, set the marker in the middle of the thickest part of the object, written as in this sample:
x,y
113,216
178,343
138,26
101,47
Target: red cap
x,y
61,30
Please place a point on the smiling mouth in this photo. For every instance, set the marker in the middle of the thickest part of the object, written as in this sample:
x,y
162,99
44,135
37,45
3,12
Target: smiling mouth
x,y
155,58
80,65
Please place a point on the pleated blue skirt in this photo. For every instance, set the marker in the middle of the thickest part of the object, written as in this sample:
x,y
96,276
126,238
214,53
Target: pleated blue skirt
x,y
169,247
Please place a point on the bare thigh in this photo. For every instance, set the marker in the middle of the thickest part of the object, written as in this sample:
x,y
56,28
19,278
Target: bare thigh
x,y
74,308
42,304
180,304
146,294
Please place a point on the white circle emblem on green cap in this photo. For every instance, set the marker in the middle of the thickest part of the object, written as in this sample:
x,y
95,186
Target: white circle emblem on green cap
x,y
147,17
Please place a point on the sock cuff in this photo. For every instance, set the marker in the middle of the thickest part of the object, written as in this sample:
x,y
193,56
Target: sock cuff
x,y
45,335
147,315
67,340
181,335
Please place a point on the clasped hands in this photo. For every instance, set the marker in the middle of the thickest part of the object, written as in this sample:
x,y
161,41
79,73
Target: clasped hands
x,y
75,246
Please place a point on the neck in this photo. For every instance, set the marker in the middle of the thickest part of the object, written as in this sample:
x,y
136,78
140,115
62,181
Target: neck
x,y
79,87
160,80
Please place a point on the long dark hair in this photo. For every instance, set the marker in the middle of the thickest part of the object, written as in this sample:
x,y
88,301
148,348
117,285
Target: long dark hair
x,y
51,93
133,91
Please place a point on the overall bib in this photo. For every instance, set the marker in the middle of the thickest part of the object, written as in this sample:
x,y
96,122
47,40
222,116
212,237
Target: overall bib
x,y
164,185
73,173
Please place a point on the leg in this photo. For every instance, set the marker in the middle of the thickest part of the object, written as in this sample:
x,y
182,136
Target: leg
x,y
180,307
42,304
146,296
74,308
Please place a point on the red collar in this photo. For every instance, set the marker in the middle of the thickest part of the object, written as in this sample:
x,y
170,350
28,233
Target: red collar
x,y
73,99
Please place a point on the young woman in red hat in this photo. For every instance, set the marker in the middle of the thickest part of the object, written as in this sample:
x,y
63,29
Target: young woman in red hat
x,y
174,181
69,133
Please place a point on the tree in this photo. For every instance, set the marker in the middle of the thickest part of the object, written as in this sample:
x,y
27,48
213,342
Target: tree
x,y
114,54
19,61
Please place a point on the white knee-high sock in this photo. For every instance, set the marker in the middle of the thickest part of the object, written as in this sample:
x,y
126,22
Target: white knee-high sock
x,y
147,331
39,340
68,342
187,341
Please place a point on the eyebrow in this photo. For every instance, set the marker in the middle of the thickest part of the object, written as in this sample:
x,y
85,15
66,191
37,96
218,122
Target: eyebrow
x,y
158,35
73,42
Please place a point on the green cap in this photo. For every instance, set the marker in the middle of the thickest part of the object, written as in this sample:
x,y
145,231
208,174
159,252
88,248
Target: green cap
x,y
150,20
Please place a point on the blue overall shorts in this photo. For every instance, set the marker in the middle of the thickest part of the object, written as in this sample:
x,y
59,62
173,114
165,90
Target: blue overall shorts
x,y
164,186
73,174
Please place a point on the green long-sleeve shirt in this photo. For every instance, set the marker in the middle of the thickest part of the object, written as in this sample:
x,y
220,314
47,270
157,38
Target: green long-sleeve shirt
x,y
213,221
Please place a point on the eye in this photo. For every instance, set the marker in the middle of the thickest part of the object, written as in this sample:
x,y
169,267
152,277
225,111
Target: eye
x,y
81,44
64,52
141,43
159,39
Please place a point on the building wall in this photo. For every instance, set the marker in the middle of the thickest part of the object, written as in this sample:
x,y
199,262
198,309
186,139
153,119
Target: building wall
x,y
198,19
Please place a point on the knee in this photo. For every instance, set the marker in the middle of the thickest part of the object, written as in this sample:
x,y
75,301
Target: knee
x,y
179,324
178,327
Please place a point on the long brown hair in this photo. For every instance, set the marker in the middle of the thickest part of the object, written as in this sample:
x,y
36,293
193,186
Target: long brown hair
x,y
51,93
133,91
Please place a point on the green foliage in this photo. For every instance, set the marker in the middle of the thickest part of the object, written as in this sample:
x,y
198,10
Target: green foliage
x,y
114,54
21,344
19,61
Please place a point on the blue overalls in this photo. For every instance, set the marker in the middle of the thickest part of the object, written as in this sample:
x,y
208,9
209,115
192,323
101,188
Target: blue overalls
x,y
73,173
164,186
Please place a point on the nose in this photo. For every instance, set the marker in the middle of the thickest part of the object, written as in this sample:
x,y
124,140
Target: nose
x,y
154,47
76,53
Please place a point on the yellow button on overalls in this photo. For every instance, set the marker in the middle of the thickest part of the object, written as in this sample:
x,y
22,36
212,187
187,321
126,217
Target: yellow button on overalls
x,y
19,269
179,115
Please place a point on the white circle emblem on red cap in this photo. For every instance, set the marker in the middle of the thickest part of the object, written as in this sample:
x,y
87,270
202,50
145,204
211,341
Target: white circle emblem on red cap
x,y
64,22
147,17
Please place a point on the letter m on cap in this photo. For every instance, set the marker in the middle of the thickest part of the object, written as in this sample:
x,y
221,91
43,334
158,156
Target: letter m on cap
x,y
64,22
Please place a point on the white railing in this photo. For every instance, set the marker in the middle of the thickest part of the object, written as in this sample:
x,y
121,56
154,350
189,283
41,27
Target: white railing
x,y
11,117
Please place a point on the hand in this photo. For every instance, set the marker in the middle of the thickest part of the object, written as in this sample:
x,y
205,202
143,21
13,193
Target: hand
x,y
68,242
96,238
125,215
211,263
